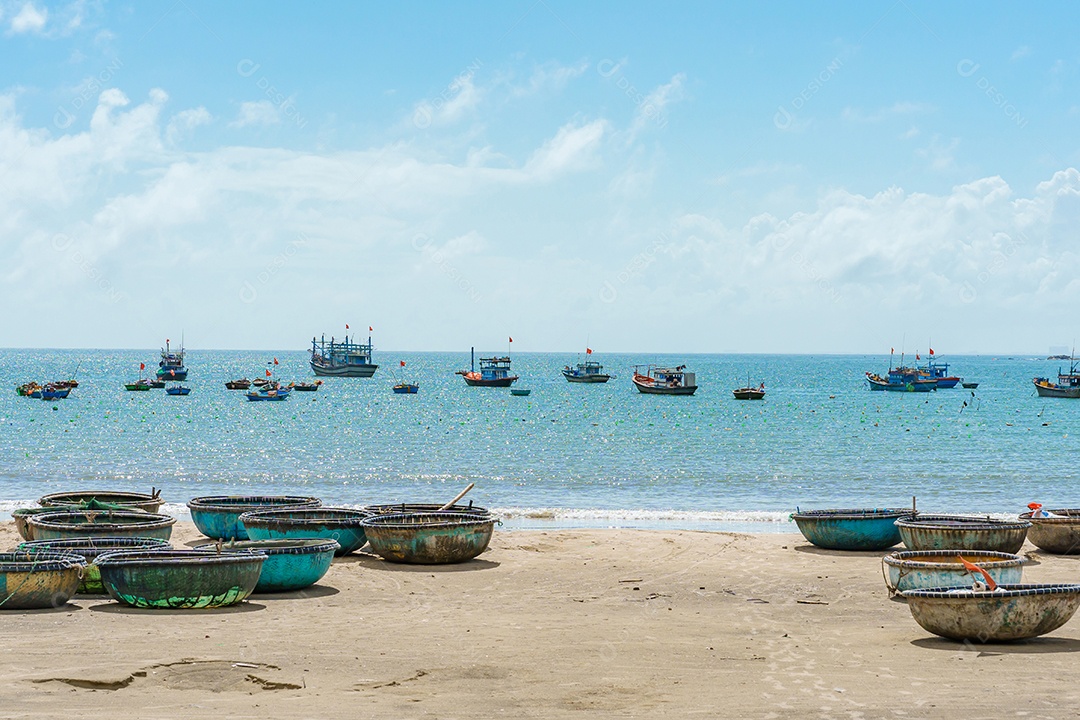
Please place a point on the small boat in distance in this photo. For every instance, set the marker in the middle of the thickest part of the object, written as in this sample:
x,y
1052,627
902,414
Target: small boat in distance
x,y
342,359
406,389
748,392
53,391
157,384
520,392
305,387
589,371
177,389
138,385
1067,385
241,384
30,389
901,379
494,372
969,385
665,381
270,391
171,366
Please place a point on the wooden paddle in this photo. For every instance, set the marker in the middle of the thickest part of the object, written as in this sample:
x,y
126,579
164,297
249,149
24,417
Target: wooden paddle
x,y
460,495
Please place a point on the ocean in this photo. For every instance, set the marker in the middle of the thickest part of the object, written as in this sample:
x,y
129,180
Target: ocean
x,y
568,455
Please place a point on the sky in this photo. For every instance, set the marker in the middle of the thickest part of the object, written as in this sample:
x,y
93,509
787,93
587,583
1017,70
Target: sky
x,y
699,177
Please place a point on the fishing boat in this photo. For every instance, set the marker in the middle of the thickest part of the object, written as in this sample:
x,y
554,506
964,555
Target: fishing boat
x,y
342,359
52,391
138,385
1067,385
901,378
494,372
269,392
241,384
177,389
665,381
171,366
589,371
305,387
30,390
939,371
155,383
969,385
748,392
405,388
520,392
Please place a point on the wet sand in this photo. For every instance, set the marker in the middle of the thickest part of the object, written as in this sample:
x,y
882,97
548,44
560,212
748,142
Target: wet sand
x,y
592,623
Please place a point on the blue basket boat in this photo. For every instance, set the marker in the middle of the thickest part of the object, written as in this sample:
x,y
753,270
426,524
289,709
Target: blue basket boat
x,y
218,516
429,538
341,524
860,529
62,524
408,508
290,564
921,569
180,579
30,581
89,548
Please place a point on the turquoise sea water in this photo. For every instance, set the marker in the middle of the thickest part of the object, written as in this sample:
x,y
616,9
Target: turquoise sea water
x,y
568,454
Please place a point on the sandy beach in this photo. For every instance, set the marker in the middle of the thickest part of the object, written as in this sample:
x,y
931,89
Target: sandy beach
x,y
590,623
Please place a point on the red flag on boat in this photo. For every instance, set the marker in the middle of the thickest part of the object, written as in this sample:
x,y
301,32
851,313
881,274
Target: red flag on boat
x,y
370,329
142,366
275,361
268,373
346,326
917,356
511,339
931,351
588,351
402,363
892,350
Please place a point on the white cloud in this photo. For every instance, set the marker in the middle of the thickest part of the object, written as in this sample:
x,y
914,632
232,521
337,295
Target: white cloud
x,y
182,123
1021,52
262,112
651,108
29,20
574,147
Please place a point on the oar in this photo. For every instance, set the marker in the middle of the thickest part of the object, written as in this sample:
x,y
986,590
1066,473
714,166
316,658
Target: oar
x,y
460,495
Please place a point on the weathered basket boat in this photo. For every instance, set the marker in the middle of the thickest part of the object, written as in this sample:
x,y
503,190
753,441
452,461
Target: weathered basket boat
x,y
21,516
290,564
65,524
182,579
104,500
218,516
429,538
341,524
403,508
1012,612
850,529
1058,535
920,569
960,532
38,580
89,548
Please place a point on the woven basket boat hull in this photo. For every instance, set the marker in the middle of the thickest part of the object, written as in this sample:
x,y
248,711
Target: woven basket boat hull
x,y
180,579
89,549
63,525
341,524
290,564
850,529
942,532
1022,611
429,538
218,516
1058,535
919,569
30,581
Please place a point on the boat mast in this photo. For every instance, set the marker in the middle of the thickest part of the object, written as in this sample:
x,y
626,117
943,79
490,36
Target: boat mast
x,y
472,359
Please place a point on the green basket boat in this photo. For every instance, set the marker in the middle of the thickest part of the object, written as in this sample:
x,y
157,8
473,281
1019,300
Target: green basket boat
x,y
30,581
290,564
89,548
342,524
62,524
103,500
180,579
429,538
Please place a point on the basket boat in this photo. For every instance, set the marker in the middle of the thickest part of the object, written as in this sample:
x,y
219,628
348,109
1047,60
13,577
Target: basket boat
x,y
1012,612
405,508
30,581
64,524
89,548
218,516
920,569
341,524
858,529
290,564
962,532
105,499
429,538
1058,535
180,579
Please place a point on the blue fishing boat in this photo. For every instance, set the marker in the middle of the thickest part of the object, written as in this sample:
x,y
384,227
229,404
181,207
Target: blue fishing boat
x,y
939,371
270,391
51,391
177,389
171,366
342,359
406,389
665,381
494,372
902,379
589,371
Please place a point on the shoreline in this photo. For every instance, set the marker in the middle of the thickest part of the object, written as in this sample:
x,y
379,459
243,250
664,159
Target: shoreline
x,y
545,624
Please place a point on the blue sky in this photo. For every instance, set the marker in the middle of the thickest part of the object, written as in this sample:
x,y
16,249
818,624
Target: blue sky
x,y
707,177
